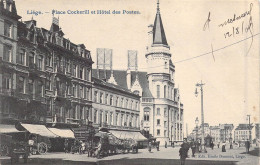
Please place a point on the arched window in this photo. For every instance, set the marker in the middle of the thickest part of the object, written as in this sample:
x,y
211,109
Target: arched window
x,y
146,114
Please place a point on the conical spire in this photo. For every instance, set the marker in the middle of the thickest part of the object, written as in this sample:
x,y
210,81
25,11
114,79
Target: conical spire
x,y
158,30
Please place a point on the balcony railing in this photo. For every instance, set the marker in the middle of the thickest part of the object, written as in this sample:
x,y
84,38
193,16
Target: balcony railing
x,y
72,121
7,92
147,100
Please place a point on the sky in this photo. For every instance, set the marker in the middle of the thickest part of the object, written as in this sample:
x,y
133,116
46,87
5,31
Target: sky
x,y
230,70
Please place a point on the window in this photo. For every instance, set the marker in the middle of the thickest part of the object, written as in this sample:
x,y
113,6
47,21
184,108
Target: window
x,y
106,117
81,92
158,132
165,133
126,103
49,61
165,90
146,115
122,120
21,85
21,58
165,124
7,80
95,116
131,104
136,106
74,70
111,118
106,99
31,60
122,102
87,93
73,90
39,63
165,112
158,91
95,96
87,74
111,100
116,122
158,121
30,86
158,111
101,98
7,53
117,101
40,88
68,67
81,73
8,29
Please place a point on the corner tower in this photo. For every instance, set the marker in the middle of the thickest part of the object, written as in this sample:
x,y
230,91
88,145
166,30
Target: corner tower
x,y
158,56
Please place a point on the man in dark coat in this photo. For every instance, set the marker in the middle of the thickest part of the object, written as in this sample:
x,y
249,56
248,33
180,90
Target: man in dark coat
x,y
186,146
183,154
247,145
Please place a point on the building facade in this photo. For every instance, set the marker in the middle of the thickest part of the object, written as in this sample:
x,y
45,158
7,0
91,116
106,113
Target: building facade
x,y
226,134
45,78
114,107
242,133
161,111
215,133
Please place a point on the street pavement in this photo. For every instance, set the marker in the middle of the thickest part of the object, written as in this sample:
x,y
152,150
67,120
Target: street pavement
x,y
166,156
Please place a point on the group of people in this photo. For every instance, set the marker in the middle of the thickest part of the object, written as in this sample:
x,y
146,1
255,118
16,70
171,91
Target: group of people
x,y
78,146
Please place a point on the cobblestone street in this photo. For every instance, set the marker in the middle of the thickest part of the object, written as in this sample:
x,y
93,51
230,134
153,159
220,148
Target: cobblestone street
x,y
164,156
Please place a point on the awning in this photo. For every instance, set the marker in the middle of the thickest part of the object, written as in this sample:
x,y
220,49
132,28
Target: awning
x,y
39,130
128,135
63,133
4,128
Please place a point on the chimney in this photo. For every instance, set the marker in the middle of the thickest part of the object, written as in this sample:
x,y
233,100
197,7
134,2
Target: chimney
x,y
128,78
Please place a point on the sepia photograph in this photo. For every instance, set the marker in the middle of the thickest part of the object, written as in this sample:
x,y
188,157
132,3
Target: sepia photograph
x,y
130,82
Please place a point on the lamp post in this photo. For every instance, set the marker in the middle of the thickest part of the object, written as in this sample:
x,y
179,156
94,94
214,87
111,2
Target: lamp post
x,y
196,140
202,115
196,122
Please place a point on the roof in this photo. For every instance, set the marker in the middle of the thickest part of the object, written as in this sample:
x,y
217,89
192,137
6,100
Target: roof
x,y
243,127
120,77
39,130
8,129
63,133
158,30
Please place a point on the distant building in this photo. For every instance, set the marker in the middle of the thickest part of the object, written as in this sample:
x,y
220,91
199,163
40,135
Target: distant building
x,y
242,132
226,132
215,133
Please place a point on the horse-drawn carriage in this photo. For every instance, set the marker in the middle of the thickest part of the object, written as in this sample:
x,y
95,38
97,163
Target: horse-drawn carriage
x,y
106,144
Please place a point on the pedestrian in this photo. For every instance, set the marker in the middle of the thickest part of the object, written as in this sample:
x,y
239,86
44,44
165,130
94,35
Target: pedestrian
x,y
158,145
231,145
193,148
150,147
173,144
224,146
247,145
66,146
186,145
212,145
218,144
165,144
183,154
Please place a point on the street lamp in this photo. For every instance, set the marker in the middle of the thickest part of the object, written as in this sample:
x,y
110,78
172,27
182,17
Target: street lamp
x,y
249,127
202,115
196,122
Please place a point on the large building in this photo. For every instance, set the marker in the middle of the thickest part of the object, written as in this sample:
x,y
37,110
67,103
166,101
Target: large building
x,y
45,78
242,133
161,112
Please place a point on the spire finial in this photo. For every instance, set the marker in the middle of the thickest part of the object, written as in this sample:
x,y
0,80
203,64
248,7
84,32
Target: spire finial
x,y
158,7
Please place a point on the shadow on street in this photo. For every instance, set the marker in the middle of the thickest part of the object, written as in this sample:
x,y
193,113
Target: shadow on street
x,y
124,161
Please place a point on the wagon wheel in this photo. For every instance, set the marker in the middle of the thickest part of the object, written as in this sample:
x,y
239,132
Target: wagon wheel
x,y
4,150
42,148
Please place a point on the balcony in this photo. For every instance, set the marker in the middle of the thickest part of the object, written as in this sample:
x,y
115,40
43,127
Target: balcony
x,y
7,92
147,100
72,121
123,127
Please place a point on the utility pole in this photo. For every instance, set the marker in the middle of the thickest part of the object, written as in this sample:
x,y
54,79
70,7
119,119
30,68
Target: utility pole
x,y
202,115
